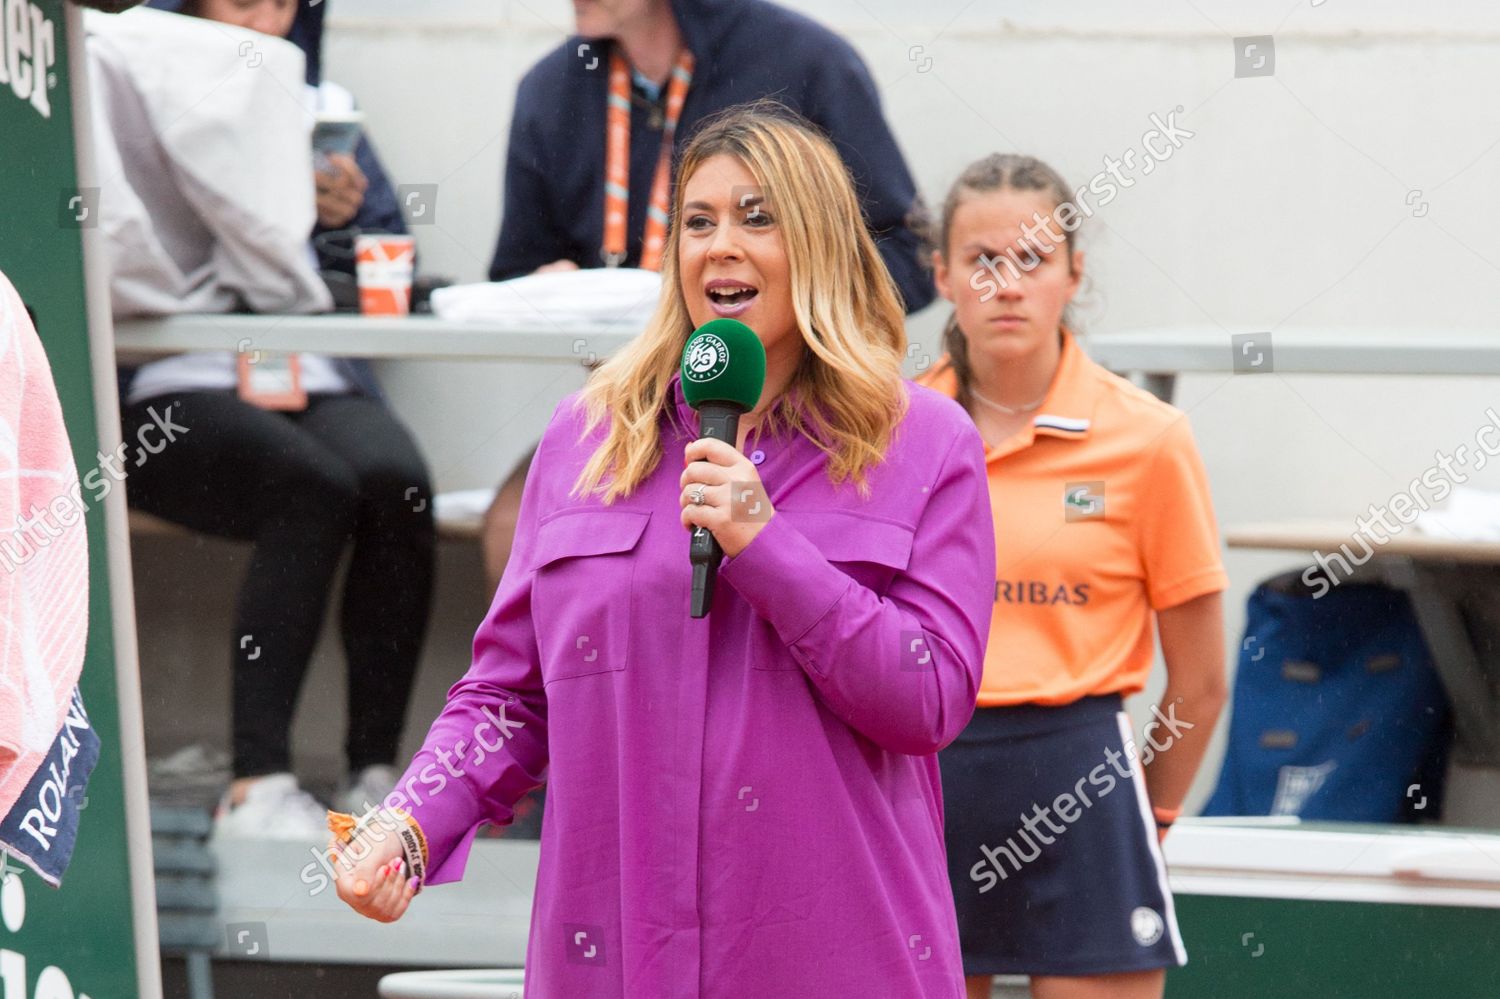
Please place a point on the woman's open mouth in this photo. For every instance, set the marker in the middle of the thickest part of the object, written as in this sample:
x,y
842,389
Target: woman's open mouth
x,y
730,298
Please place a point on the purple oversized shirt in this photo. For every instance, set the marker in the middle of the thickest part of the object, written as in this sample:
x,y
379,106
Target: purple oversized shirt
x,y
746,804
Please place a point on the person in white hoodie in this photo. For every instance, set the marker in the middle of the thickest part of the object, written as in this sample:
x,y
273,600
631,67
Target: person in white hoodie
x,y
207,199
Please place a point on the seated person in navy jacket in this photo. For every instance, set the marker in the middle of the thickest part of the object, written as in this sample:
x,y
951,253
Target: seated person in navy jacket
x,y
740,51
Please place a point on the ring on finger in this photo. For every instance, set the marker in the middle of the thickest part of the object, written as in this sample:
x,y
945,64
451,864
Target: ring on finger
x,y
697,496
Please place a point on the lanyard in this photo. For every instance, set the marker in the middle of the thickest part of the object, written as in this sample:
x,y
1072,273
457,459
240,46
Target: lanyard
x,y
617,163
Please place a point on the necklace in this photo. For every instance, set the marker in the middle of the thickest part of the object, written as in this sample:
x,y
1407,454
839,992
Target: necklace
x,y
1009,410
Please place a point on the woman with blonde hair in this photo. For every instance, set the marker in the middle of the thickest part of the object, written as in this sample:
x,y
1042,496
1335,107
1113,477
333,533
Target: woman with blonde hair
x,y
746,803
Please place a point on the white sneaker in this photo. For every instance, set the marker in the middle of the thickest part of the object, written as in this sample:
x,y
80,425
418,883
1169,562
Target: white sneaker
x,y
274,808
192,777
370,787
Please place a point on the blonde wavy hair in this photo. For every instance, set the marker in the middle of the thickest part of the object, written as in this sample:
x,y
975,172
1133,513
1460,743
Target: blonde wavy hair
x,y
846,395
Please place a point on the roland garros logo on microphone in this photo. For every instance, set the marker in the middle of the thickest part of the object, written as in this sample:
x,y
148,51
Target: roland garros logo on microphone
x,y
707,358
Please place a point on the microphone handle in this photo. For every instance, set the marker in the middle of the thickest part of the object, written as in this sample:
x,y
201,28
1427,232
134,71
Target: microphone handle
x,y
722,423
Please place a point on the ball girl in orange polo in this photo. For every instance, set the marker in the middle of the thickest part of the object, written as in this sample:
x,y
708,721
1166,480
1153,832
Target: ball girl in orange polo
x,y
1105,537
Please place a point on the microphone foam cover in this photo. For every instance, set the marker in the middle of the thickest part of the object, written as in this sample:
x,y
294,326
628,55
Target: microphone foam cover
x,y
723,361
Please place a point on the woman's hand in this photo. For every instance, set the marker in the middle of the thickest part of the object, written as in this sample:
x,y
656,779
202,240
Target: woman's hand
x,y
735,505
377,886
341,190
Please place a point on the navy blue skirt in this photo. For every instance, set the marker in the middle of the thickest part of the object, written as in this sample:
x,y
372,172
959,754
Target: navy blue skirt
x,y
1052,848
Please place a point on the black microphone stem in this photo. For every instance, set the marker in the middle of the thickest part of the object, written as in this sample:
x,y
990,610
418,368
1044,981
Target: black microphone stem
x,y
721,422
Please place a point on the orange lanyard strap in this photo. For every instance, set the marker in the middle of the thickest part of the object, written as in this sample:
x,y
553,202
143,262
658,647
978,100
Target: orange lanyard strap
x,y
617,163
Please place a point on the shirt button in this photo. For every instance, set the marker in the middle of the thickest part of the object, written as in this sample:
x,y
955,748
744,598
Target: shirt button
x,y
757,456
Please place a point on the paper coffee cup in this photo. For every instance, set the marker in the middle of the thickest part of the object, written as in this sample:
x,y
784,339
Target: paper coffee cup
x,y
383,269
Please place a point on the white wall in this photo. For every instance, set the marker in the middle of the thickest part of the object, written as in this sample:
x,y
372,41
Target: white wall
x,y
1288,208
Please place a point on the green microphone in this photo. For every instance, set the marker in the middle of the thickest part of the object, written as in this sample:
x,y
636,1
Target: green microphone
x,y
723,372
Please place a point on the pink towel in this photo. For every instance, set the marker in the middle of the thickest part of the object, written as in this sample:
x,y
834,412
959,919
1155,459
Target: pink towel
x,y
44,593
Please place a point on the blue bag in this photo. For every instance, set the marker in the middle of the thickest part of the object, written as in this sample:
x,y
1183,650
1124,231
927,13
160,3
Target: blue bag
x,y
1337,711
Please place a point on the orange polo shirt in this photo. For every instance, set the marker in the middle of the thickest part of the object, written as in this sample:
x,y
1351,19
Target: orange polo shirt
x,y
1102,516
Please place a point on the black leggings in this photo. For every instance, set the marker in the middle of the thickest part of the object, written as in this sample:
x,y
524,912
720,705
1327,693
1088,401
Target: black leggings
x,y
300,486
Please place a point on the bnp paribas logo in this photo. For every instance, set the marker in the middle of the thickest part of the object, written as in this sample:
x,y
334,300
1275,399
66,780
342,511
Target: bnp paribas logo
x,y
28,51
1083,501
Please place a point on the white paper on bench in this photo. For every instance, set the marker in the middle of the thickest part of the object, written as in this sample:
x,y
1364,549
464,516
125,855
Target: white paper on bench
x,y
604,296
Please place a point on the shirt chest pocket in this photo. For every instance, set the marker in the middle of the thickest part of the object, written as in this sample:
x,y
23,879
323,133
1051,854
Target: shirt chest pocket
x,y
583,588
871,552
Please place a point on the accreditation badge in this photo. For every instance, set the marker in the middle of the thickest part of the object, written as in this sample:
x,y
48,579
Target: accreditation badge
x,y
271,381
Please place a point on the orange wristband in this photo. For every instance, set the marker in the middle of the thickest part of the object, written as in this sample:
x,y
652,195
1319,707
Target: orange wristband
x,y
411,820
346,828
